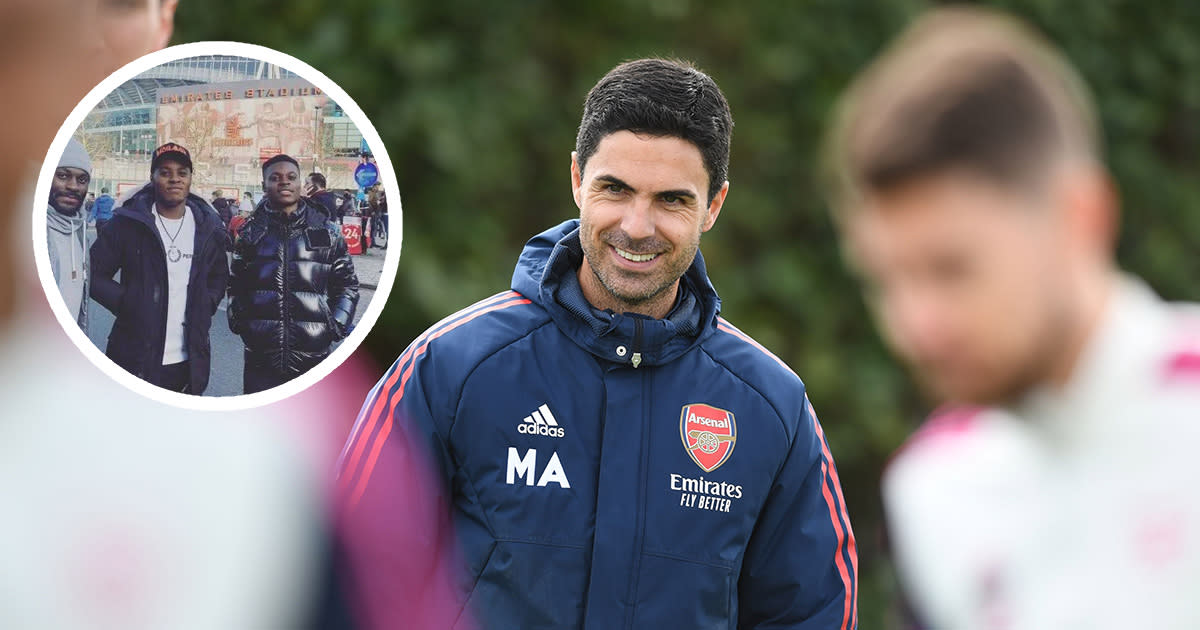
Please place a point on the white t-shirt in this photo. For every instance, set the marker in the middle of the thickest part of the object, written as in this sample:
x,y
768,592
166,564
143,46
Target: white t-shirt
x,y
1076,508
179,239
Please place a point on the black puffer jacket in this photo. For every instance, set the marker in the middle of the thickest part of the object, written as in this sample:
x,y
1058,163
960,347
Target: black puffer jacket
x,y
131,245
292,289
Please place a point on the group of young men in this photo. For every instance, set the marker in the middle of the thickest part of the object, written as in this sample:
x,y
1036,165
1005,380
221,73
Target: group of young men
x,y
160,265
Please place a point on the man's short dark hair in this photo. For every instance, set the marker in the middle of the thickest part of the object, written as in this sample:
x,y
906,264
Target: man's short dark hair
x,y
964,89
282,157
104,191
660,97
318,179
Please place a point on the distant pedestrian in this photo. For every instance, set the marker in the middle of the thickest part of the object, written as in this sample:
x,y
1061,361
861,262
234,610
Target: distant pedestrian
x,y
222,206
314,188
101,212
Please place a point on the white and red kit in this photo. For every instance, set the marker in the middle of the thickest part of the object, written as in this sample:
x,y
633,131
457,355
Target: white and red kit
x,y
1077,508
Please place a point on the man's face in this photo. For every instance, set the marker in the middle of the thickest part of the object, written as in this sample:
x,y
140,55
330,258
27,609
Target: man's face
x,y
642,207
310,186
968,283
60,49
281,184
68,189
172,182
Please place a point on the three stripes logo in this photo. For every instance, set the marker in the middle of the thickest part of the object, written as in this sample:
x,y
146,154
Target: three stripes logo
x,y
541,422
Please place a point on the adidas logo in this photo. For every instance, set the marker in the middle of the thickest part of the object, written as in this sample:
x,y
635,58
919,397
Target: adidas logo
x,y
541,422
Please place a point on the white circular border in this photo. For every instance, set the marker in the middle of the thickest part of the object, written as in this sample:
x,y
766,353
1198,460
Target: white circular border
x,y
241,401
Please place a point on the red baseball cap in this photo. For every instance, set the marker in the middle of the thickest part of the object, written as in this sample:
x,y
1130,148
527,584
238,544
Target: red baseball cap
x,y
171,151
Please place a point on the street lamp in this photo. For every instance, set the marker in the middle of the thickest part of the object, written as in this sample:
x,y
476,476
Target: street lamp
x,y
316,135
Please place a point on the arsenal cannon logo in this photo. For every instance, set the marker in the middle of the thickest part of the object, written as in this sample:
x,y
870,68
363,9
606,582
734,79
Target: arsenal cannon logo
x,y
708,434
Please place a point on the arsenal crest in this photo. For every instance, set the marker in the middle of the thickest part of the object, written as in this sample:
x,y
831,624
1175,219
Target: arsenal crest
x,y
708,434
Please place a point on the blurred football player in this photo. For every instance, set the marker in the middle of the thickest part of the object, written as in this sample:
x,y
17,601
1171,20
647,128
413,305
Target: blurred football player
x,y
1057,487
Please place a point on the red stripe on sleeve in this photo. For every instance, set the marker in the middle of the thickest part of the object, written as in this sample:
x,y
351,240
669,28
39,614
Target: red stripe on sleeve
x,y
361,437
851,547
393,400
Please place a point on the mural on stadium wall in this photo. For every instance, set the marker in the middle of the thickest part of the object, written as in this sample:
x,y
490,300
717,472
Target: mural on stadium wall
x,y
231,128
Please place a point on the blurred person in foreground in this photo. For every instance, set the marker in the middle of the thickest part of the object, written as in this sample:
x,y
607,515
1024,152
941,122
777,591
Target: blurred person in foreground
x,y
66,229
1057,487
168,247
292,290
612,452
123,512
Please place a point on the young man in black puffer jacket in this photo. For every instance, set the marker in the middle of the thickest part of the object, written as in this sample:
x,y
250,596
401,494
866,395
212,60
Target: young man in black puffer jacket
x,y
292,288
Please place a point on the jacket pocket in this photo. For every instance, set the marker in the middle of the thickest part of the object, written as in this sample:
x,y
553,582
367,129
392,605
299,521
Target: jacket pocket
x,y
550,596
678,593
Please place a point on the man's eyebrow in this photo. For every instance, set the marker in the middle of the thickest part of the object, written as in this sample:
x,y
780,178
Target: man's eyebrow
x,y
612,179
687,194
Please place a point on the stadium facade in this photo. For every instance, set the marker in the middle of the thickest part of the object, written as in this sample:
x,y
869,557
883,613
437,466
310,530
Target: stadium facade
x,y
231,113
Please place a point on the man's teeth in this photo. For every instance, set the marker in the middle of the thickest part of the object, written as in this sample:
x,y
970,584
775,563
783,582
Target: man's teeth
x,y
634,257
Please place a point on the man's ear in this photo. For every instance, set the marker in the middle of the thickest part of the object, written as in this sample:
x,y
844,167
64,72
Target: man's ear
x,y
166,23
1091,201
576,180
714,207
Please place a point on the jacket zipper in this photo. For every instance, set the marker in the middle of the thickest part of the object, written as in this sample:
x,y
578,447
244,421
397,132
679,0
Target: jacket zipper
x,y
636,357
285,231
156,358
639,535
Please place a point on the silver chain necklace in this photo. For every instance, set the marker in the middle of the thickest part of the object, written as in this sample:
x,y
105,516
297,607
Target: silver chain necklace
x,y
173,253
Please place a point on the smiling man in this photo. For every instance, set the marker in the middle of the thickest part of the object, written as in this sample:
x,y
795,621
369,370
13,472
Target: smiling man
x,y
66,229
615,454
169,247
293,290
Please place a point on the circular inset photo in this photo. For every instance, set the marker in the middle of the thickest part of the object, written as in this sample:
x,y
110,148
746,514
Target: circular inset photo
x,y
221,227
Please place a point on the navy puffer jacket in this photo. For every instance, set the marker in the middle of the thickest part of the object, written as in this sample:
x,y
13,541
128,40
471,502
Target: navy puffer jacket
x,y
607,471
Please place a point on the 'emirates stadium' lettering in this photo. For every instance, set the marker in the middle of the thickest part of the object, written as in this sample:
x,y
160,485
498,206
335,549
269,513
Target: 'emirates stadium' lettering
x,y
705,495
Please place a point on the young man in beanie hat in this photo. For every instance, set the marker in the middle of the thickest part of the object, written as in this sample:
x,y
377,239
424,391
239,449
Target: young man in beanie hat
x,y
169,246
293,290
66,229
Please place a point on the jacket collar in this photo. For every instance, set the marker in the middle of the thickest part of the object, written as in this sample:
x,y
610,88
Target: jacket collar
x,y
304,213
65,223
137,207
547,273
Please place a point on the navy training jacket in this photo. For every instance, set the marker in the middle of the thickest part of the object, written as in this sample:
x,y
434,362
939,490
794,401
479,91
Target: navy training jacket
x,y
609,470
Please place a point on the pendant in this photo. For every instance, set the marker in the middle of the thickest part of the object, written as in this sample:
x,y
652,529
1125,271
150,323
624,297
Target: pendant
x,y
173,254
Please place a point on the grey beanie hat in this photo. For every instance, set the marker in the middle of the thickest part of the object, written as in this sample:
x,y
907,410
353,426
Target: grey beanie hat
x,y
75,156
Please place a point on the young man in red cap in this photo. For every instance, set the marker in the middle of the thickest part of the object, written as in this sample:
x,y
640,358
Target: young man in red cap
x,y
169,246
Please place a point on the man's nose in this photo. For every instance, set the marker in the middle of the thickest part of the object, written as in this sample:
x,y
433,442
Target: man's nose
x,y
918,323
638,219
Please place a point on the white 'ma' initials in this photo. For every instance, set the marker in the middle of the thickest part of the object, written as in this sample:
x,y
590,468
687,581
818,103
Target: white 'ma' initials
x,y
522,467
